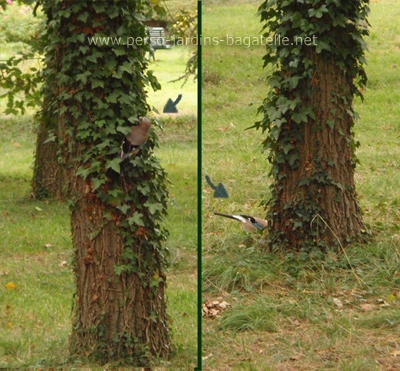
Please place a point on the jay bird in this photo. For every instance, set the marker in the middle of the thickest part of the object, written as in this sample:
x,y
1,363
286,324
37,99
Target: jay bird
x,y
136,139
250,223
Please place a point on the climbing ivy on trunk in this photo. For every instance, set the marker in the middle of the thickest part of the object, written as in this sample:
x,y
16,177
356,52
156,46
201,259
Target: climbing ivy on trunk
x,y
120,259
316,48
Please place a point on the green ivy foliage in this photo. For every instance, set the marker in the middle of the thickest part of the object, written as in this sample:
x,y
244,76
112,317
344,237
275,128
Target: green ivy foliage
x,y
97,93
22,84
107,95
21,87
332,30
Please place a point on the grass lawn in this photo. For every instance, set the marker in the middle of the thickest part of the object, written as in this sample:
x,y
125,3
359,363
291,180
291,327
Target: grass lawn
x,y
35,238
285,314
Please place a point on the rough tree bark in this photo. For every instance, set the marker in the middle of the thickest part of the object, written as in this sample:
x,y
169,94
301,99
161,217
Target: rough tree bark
x,y
322,147
120,311
309,118
47,175
118,305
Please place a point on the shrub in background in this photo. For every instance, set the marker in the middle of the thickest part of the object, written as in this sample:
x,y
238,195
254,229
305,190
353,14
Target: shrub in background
x,y
18,24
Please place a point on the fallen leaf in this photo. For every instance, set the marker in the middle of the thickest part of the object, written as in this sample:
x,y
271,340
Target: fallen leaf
x,y
63,263
17,144
38,208
48,244
367,307
295,357
4,273
396,352
338,303
10,286
213,312
224,305
222,129
207,357
212,308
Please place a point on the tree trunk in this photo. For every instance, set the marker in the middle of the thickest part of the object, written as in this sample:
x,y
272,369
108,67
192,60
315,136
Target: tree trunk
x,y
47,175
120,311
318,51
115,314
323,182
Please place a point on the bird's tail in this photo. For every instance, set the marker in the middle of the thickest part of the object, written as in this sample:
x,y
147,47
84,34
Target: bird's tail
x,y
226,216
178,99
210,183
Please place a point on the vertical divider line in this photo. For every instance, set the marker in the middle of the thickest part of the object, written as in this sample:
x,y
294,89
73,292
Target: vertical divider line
x,y
199,190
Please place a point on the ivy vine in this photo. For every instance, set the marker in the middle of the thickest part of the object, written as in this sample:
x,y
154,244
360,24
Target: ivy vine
x,y
107,91
300,34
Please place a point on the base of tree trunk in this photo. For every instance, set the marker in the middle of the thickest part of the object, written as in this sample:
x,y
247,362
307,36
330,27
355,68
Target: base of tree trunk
x,y
123,318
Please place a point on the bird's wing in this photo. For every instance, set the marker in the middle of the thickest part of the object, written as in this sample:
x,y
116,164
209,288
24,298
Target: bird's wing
x,y
261,222
137,136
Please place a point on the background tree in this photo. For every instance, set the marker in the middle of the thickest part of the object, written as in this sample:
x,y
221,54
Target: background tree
x,y
28,88
185,29
119,263
309,119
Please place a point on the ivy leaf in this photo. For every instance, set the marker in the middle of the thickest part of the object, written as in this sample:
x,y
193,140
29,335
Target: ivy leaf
x,y
124,208
321,45
318,13
287,147
83,17
145,189
97,183
297,224
112,98
119,51
124,129
330,123
304,181
83,172
118,269
83,76
153,207
299,117
136,219
153,80
114,164
126,67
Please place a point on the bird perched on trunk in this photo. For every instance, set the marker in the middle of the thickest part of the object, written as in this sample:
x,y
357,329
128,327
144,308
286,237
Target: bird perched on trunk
x,y
250,223
136,139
